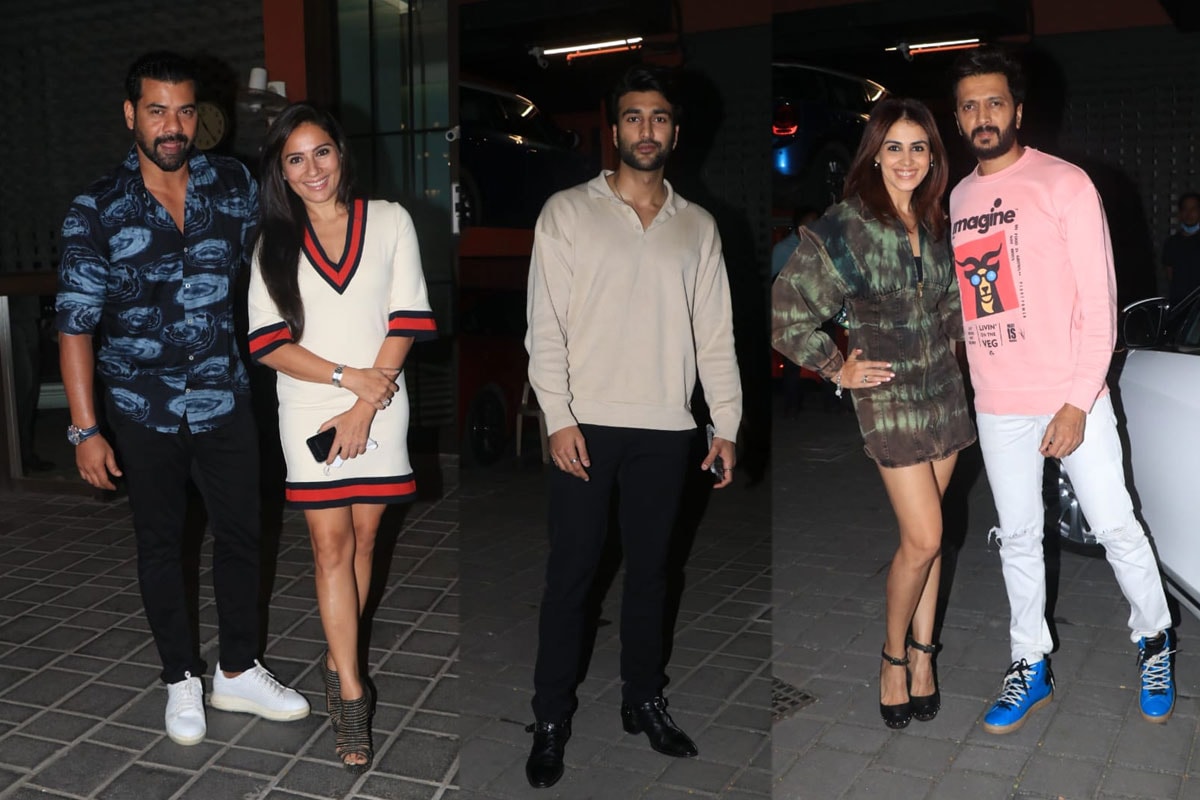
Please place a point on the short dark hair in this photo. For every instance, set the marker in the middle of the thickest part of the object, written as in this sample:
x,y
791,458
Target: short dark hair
x,y
640,78
1188,196
160,65
990,60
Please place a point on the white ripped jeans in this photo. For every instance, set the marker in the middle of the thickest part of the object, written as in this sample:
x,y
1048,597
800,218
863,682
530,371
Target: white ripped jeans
x,y
1014,469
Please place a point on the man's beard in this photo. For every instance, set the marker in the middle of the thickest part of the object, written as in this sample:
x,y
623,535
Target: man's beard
x,y
164,162
1005,139
631,158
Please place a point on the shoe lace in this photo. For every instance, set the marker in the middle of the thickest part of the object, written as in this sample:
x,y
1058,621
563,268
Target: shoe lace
x,y
1156,671
1016,685
263,677
189,696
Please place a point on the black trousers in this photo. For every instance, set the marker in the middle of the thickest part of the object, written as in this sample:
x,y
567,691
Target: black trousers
x,y
224,465
648,467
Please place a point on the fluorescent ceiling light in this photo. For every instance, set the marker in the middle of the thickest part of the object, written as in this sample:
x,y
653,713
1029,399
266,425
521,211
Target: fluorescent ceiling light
x,y
630,43
934,47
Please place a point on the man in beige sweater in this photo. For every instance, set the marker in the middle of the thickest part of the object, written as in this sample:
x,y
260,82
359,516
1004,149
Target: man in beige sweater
x,y
628,301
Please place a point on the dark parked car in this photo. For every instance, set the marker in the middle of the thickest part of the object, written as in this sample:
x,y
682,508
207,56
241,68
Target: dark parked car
x,y
818,119
513,157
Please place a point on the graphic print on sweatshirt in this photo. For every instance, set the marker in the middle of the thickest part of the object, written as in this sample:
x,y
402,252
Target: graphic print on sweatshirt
x,y
988,267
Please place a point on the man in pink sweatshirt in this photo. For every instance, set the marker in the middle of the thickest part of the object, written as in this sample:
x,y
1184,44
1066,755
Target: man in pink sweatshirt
x,y
1035,267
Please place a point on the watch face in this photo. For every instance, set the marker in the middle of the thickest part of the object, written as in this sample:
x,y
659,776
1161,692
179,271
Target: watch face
x,y
211,125
73,435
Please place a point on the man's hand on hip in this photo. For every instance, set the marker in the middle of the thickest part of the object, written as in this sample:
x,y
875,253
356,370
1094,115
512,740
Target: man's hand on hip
x,y
1064,433
95,458
725,450
568,451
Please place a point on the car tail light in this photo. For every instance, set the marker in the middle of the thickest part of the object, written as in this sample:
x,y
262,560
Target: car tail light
x,y
786,122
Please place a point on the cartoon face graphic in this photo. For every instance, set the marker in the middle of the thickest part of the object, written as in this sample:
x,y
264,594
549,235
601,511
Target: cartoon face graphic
x,y
983,274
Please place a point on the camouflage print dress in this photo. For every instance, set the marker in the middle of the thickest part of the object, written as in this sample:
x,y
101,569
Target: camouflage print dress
x,y
848,256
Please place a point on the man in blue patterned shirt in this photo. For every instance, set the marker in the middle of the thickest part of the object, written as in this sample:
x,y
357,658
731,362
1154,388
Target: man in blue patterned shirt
x,y
150,256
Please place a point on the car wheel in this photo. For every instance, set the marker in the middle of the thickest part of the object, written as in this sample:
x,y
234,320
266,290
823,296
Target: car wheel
x,y
486,431
1064,517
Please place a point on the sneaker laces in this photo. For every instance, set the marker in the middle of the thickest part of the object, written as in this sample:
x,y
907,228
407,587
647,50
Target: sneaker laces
x,y
1156,671
188,697
263,677
1016,685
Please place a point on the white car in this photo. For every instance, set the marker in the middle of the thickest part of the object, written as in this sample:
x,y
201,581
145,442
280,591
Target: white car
x,y
1158,392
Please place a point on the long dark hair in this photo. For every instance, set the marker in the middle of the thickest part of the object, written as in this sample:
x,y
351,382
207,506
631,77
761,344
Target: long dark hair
x,y
865,181
282,213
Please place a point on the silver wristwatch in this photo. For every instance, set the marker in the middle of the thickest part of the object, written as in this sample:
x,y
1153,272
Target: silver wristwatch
x,y
77,435
337,375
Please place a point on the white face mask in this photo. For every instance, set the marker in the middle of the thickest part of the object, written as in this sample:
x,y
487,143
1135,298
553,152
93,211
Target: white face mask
x,y
1190,229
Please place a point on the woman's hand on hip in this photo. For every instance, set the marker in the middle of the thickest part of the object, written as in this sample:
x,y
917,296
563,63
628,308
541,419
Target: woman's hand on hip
x,y
859,373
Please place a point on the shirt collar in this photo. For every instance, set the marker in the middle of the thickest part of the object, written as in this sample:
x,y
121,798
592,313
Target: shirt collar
x,y
598,187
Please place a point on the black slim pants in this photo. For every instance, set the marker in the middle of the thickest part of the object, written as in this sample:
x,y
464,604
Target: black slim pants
x,y
648,468
224,465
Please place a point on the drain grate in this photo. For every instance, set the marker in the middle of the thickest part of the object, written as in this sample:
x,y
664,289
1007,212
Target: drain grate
x,y
787,700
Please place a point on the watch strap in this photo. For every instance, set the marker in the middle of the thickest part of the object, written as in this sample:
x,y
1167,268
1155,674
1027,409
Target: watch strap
x,y
336,378
77,435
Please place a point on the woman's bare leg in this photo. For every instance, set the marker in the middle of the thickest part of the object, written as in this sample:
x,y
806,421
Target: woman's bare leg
x,y
912,584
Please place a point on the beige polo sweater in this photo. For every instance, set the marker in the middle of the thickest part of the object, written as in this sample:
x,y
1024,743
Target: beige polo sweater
x,y
621,319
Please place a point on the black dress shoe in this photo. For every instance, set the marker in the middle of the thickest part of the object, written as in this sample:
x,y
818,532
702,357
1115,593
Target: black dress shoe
x,y
651,718
545,764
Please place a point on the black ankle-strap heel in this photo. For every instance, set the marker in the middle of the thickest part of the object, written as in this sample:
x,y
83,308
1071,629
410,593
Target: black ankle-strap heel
x,y
925,707
898,715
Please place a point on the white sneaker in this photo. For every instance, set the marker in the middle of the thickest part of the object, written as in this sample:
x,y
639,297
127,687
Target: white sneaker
x,y
256,691
185,711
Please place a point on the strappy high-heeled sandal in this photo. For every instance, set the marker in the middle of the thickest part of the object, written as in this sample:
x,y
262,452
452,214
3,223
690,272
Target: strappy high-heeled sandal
x,y
354,733
897,715
333,691
925,707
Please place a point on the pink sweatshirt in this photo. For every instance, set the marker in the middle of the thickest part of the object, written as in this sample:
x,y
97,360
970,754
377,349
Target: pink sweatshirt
x,y
1034,263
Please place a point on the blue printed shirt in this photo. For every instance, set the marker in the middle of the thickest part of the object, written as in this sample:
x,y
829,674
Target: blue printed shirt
x,y
161,301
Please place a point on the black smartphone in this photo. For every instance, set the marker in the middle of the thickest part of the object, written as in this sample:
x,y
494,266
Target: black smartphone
x,y
321,444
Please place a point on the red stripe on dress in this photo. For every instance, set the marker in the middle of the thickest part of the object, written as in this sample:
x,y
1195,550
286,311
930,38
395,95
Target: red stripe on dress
x,y
348,491
261,341
358,231
318,258
412,324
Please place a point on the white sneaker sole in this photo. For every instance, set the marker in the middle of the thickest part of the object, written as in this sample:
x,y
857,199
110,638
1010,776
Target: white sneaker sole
x,y
243,706
186,741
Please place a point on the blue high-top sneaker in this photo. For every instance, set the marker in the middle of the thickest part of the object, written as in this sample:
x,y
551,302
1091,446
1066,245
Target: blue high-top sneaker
x,y
1027,687
1157,696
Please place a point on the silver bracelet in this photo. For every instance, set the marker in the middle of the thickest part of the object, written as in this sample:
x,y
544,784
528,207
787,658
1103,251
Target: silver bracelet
x,y
837,381
337,375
